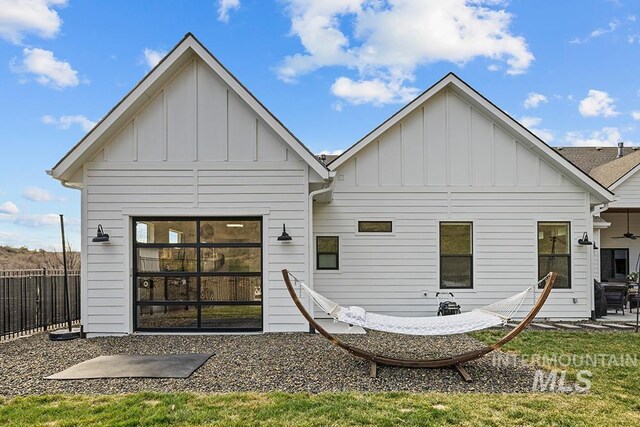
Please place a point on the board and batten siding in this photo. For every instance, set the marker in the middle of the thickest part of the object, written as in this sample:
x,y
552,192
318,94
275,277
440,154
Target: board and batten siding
x,y
446,161
195,149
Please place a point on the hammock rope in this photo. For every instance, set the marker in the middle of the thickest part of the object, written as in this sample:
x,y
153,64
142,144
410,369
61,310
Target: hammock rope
x,y
492,315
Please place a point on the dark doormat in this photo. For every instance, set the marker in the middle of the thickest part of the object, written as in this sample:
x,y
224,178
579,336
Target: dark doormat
x,y
135,366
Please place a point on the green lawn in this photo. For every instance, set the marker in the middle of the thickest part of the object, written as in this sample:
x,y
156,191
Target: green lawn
x,y
614,399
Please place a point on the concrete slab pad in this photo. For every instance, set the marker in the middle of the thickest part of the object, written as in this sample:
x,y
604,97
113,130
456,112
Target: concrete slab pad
x,y
543,326
135,366
340,328
570,326
594,326
621,326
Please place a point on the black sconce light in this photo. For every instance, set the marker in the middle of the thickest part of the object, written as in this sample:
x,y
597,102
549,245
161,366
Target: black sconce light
x,y
584,240
101,236
284,237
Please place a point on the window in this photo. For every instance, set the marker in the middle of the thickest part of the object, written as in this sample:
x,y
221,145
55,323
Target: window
x,y
554,252
175,236
614,264
327,253
456,255
375,226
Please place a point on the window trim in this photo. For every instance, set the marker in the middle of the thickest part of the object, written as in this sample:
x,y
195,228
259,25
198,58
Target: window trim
x,y
318,253
569,255
376,221
440,256
381,234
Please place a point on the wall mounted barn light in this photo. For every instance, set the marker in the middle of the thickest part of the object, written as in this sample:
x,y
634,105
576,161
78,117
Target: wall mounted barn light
x,y
585,239
101,236
284,237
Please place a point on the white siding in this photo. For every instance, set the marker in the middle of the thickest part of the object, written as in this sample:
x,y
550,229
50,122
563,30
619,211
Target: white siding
x,y
196,149
628,193
465,168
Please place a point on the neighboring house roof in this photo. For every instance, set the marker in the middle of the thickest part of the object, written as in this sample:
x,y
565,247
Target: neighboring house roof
x,y
616,170
170,64
477,100
588,158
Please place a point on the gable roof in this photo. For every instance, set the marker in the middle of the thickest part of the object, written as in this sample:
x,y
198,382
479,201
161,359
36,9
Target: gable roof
x,y
588,158
615,172
182,52
477,100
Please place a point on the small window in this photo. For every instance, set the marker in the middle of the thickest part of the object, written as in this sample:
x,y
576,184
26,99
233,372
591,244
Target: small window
x,y
327,253
554,252
456,255
175,237
375,227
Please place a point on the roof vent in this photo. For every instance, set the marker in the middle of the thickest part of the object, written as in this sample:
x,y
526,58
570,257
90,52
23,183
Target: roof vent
x,y
635,148
559,148
620,149
598,148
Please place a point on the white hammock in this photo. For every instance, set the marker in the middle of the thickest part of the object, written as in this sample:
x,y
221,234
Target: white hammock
x,y
496,314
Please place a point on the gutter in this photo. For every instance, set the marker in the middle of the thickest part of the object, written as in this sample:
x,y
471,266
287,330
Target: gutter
x,y
66,184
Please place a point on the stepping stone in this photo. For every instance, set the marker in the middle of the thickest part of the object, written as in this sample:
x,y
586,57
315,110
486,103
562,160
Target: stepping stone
x,y
543,326
567,326
594,326
618,326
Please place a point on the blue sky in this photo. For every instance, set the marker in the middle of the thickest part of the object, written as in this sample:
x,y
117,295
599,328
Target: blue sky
x,y
331,70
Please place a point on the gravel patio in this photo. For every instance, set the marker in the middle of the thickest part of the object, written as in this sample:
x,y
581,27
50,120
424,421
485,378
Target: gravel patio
x,y
259,363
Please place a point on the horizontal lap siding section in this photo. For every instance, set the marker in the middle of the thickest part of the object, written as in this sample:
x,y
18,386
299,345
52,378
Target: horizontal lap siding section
x,y
278,187
390,274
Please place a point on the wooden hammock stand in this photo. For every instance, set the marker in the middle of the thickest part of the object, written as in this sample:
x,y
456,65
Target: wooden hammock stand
x,y
455,362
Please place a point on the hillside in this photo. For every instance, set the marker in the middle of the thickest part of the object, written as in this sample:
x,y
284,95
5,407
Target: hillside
x,y
23,258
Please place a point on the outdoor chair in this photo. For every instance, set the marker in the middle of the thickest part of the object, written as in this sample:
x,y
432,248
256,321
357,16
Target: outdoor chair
x,y
616,295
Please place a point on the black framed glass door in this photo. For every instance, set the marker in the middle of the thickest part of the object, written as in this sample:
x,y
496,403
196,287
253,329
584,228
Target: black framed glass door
x,y
197,274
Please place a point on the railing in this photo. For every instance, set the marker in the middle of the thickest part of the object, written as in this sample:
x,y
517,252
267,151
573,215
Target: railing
x,y
33,300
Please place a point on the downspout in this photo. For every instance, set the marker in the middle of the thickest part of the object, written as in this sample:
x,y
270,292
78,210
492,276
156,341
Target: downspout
x,y
330,187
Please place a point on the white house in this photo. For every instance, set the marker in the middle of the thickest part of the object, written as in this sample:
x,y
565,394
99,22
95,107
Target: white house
x,y
193,179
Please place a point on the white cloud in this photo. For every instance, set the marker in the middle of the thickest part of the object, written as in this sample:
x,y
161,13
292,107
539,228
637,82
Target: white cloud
x,y
34,220
36,194
613,25
65,122
373,91
635,115
224,7
21,17
534,99
532,123
391,39
9,208
597,103
606,137
152,57
49,70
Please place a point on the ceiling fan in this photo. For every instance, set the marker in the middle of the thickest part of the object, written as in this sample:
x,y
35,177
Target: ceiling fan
x,y
627,235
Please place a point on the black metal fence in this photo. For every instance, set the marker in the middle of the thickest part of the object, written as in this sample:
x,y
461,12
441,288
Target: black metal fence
x,y
33,300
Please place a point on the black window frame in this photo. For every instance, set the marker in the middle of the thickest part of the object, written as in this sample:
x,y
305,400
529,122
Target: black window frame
x,y
612,260
336,253
360,222
441,256
198,274
546,256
